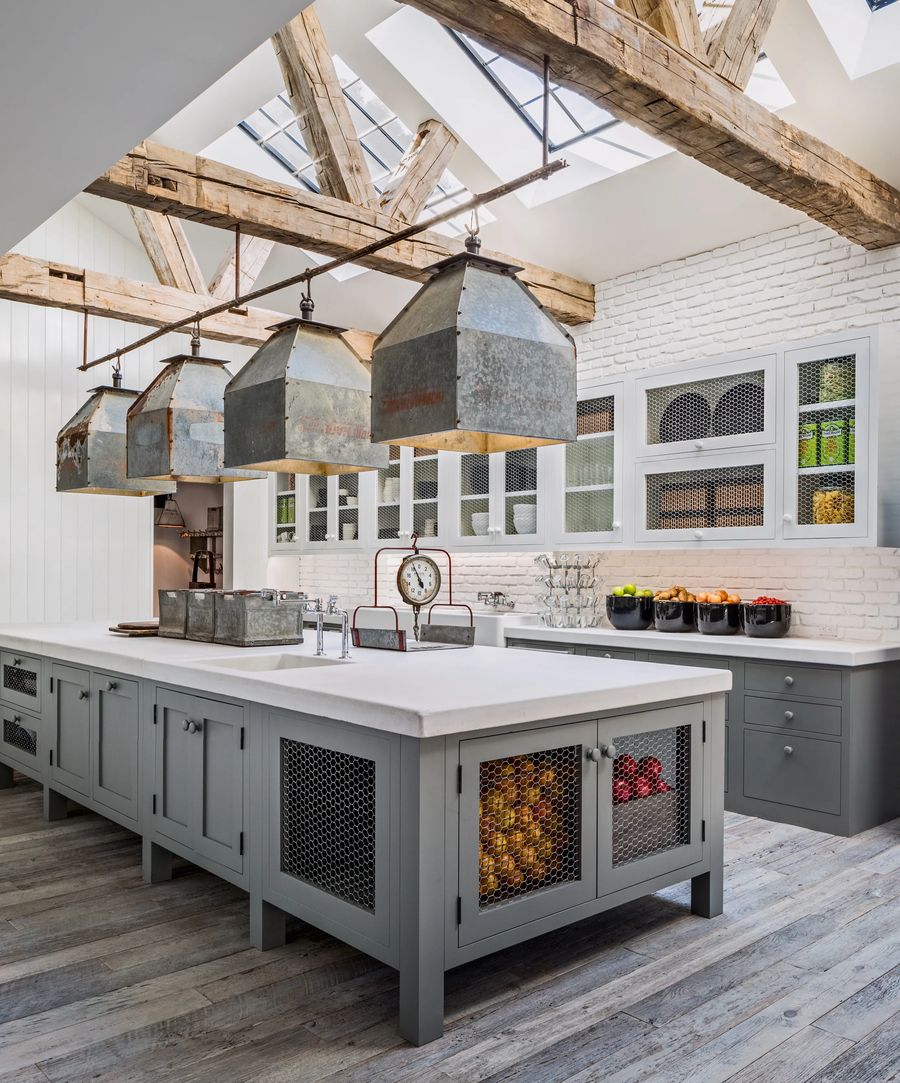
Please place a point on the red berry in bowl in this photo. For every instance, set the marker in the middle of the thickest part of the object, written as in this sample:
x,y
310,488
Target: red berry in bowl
x,y
621,791
661,786
625,766
650,766
641,787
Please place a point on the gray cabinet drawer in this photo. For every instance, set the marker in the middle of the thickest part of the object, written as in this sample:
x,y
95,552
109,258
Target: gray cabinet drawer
x,y
538,645
815,681
791,770
792,714
610,652
20,680
700,661
20,736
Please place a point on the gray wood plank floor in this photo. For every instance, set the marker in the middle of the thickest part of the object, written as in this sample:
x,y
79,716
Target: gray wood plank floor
x,y
105,978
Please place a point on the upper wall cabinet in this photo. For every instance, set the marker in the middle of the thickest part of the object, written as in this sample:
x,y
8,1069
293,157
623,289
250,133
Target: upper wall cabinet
x,y
709,408
499,498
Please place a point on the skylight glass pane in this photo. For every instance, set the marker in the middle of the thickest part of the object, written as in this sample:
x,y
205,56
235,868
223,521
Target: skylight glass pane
x,y
522,85
562,128
585,112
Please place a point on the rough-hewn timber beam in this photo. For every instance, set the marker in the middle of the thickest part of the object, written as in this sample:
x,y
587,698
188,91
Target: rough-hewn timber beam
x,y
254,253
322,113
186,186
734,44
168,250
415,178
638,76
676,20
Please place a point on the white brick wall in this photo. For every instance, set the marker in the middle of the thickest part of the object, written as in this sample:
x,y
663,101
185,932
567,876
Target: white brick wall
x,y
796,283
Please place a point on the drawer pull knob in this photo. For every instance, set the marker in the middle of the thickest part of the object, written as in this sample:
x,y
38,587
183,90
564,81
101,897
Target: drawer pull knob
x,y
83,693
185,724
788,751
194,727
789,681
609,751
595,755
789,716
111,686
17,661
607,655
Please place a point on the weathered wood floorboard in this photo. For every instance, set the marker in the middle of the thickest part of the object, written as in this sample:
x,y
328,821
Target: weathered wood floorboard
x,y
107,979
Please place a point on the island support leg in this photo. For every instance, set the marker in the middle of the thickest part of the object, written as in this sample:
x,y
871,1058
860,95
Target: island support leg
x,y
268,924
422,890
6,777
706,889
56,805
156,862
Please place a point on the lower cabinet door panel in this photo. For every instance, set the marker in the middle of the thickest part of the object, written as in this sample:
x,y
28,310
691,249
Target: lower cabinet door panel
x,y
175,776
72,729
791,770
527,827
115,732
219,753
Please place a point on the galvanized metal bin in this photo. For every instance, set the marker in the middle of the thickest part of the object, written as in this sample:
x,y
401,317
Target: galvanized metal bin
x,y
201,615
259,618
173,613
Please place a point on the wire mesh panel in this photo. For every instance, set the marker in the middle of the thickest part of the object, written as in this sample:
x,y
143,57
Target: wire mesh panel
x,y
721,406
520,491
529,823
474,495
20,679
425,493
589,469
317,514
348,507
388,497
19,736
719,497
826,441
651,793
285,508
328,820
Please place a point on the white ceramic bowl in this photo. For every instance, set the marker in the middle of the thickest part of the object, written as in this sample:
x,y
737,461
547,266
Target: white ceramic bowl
x,y
480,520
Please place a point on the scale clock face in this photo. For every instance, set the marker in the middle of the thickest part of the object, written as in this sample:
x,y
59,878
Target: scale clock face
x,y
418,580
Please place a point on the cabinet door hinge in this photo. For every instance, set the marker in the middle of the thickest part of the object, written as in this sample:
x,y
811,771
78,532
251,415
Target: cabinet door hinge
x,y
241,844
154,714
459,910
242,739
459,779
704,729
51,686
154,804
703,830
51,757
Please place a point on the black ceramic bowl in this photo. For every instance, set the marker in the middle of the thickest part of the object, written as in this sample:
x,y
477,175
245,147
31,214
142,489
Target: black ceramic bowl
x,y
629,614
718,618
675,616
766,621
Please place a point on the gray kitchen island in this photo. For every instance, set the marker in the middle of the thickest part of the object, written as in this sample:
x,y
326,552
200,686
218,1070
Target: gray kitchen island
x,y
426,808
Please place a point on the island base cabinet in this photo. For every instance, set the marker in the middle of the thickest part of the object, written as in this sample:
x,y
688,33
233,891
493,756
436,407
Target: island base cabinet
x,y
198,797
70,753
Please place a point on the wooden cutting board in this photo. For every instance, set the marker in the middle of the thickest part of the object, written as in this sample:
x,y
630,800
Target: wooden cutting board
x,y
137,628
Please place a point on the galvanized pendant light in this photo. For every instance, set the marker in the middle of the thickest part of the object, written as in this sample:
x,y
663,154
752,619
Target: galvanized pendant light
x,y
474,363
301,404
90,448
168,515
176,428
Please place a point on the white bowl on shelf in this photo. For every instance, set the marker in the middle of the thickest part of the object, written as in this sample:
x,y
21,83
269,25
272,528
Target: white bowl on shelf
x,y
480,520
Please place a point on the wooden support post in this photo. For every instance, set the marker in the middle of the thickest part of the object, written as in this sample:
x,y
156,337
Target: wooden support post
x,y
268,924
410,187
734,44
168,250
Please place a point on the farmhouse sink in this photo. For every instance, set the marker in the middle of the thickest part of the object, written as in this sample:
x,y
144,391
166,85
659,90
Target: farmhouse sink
x,y
263,663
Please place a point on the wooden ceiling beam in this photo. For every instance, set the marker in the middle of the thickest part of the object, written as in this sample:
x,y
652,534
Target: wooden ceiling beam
x,y
676,20
254,253
187,186
322,112
416,177
168,250
638,76
734,43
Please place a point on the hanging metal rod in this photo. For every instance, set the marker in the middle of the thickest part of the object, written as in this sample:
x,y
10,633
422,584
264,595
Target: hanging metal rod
x,y
339,261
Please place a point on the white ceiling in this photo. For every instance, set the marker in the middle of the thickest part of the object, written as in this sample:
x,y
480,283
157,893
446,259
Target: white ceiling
x,y
82,83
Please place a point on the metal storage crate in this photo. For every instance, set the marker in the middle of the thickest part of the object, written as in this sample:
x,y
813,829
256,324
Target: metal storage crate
x,y
259,618
173,613
201,615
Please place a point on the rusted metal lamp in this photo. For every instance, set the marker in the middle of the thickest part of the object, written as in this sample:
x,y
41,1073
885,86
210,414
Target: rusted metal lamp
x,y
176,429
90,448
301,404
474,363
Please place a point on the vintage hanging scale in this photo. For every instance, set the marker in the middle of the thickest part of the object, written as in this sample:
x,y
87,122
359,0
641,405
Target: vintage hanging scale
x,y
418,583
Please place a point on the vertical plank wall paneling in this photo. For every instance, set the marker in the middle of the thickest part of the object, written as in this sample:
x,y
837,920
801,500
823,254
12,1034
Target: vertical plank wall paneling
x,y
65,557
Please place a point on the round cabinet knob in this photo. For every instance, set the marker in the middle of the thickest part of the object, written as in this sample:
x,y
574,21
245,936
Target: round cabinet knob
x,y
83,693
111,686
616,525
788,750
609,751
17,718
17,661
607,655
595,755
698,534
185,724
195,727
699,445
789,716
788,518
788,681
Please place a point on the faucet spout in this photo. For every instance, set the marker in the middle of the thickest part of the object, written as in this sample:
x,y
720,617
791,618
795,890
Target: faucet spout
x,y
320,634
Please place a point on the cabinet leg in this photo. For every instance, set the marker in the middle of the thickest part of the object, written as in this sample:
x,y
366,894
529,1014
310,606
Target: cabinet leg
x,y
706,894
6,777
156,862
268,925
56,806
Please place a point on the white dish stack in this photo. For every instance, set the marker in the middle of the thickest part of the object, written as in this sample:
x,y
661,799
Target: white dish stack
x,y
525,518
571,600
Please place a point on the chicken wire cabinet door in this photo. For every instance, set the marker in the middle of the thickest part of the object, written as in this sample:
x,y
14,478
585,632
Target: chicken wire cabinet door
x,y
21,740
527,827
71,728
650,778
713,409
329,832
114,743
20,681
285,535
830,442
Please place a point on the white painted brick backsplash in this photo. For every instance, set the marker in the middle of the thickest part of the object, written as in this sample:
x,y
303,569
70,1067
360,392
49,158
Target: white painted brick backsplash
x,y
792,284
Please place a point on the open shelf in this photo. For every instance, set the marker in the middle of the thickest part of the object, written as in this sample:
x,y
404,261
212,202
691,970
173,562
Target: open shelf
x,y
820,407
838,468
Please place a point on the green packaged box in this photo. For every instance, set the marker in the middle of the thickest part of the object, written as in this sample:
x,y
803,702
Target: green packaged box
x,y
833,442
808,444
851,440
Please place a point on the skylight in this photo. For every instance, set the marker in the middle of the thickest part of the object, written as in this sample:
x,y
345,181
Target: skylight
x,y
864,34
877,5
382,134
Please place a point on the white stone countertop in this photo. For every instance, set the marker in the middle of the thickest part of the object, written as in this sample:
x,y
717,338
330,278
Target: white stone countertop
x,y
834,652
424,694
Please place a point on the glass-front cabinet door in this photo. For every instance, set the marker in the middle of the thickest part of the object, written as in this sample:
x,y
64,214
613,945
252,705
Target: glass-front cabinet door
x,y
389,498
500,497
285,532
828,442
425,518
650,795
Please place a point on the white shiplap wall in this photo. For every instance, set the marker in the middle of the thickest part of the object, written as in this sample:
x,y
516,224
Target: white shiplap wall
x,y
65,557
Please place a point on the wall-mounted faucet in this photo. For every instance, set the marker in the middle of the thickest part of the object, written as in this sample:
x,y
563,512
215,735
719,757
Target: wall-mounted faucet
x,y
496,599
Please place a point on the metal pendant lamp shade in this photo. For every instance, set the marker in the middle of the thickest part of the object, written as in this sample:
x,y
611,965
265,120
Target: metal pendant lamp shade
x,y
176,429
168,515
90,448
302,405
474,363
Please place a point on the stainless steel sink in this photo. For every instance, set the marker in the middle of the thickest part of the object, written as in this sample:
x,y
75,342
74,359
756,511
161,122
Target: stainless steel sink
x,y
264,663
